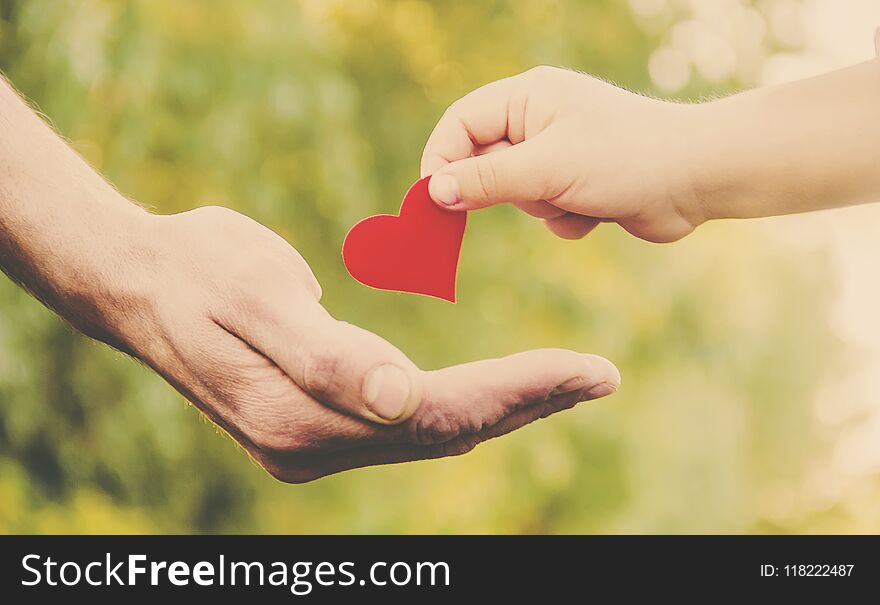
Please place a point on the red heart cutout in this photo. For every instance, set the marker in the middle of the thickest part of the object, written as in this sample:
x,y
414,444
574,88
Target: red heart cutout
x,y
416,251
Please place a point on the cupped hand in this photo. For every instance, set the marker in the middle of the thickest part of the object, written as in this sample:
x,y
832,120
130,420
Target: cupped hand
x,y
229,313
572,150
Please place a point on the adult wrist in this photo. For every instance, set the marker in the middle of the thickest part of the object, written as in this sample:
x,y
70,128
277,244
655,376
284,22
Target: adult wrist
x,y
101,277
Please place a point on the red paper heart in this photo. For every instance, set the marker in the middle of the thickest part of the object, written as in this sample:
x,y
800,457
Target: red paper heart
x,y
416,251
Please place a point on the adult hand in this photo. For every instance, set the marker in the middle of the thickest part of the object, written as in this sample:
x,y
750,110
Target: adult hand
x,y
231,317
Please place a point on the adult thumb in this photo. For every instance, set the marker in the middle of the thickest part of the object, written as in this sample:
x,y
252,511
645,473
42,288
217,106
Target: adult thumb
x,y
341,365
355,371
514,174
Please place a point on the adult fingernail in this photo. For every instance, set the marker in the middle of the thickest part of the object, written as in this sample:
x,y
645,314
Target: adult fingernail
x,y
572,384
444,189
600,390
386,391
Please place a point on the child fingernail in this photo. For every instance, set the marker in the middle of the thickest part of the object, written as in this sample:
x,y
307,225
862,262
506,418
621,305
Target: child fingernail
x,y
444,189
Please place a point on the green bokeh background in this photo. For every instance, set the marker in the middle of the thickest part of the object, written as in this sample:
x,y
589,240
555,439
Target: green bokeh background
x,y
309,116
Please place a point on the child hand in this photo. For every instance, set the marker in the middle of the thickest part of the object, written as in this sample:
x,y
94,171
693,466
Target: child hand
x,y
572,150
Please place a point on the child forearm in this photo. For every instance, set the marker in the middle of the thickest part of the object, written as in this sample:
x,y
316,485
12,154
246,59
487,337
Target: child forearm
x,y
797,147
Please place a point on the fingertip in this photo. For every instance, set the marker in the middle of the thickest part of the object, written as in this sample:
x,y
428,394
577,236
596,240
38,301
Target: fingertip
x,y
591,375
557,371
602,371
444,189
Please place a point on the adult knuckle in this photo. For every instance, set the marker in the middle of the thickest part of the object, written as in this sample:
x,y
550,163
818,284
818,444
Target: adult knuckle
x,y
435,427
213,219
432,429
321,369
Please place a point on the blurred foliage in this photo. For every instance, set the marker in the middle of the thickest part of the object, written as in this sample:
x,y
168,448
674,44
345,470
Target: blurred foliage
x,y
309,116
